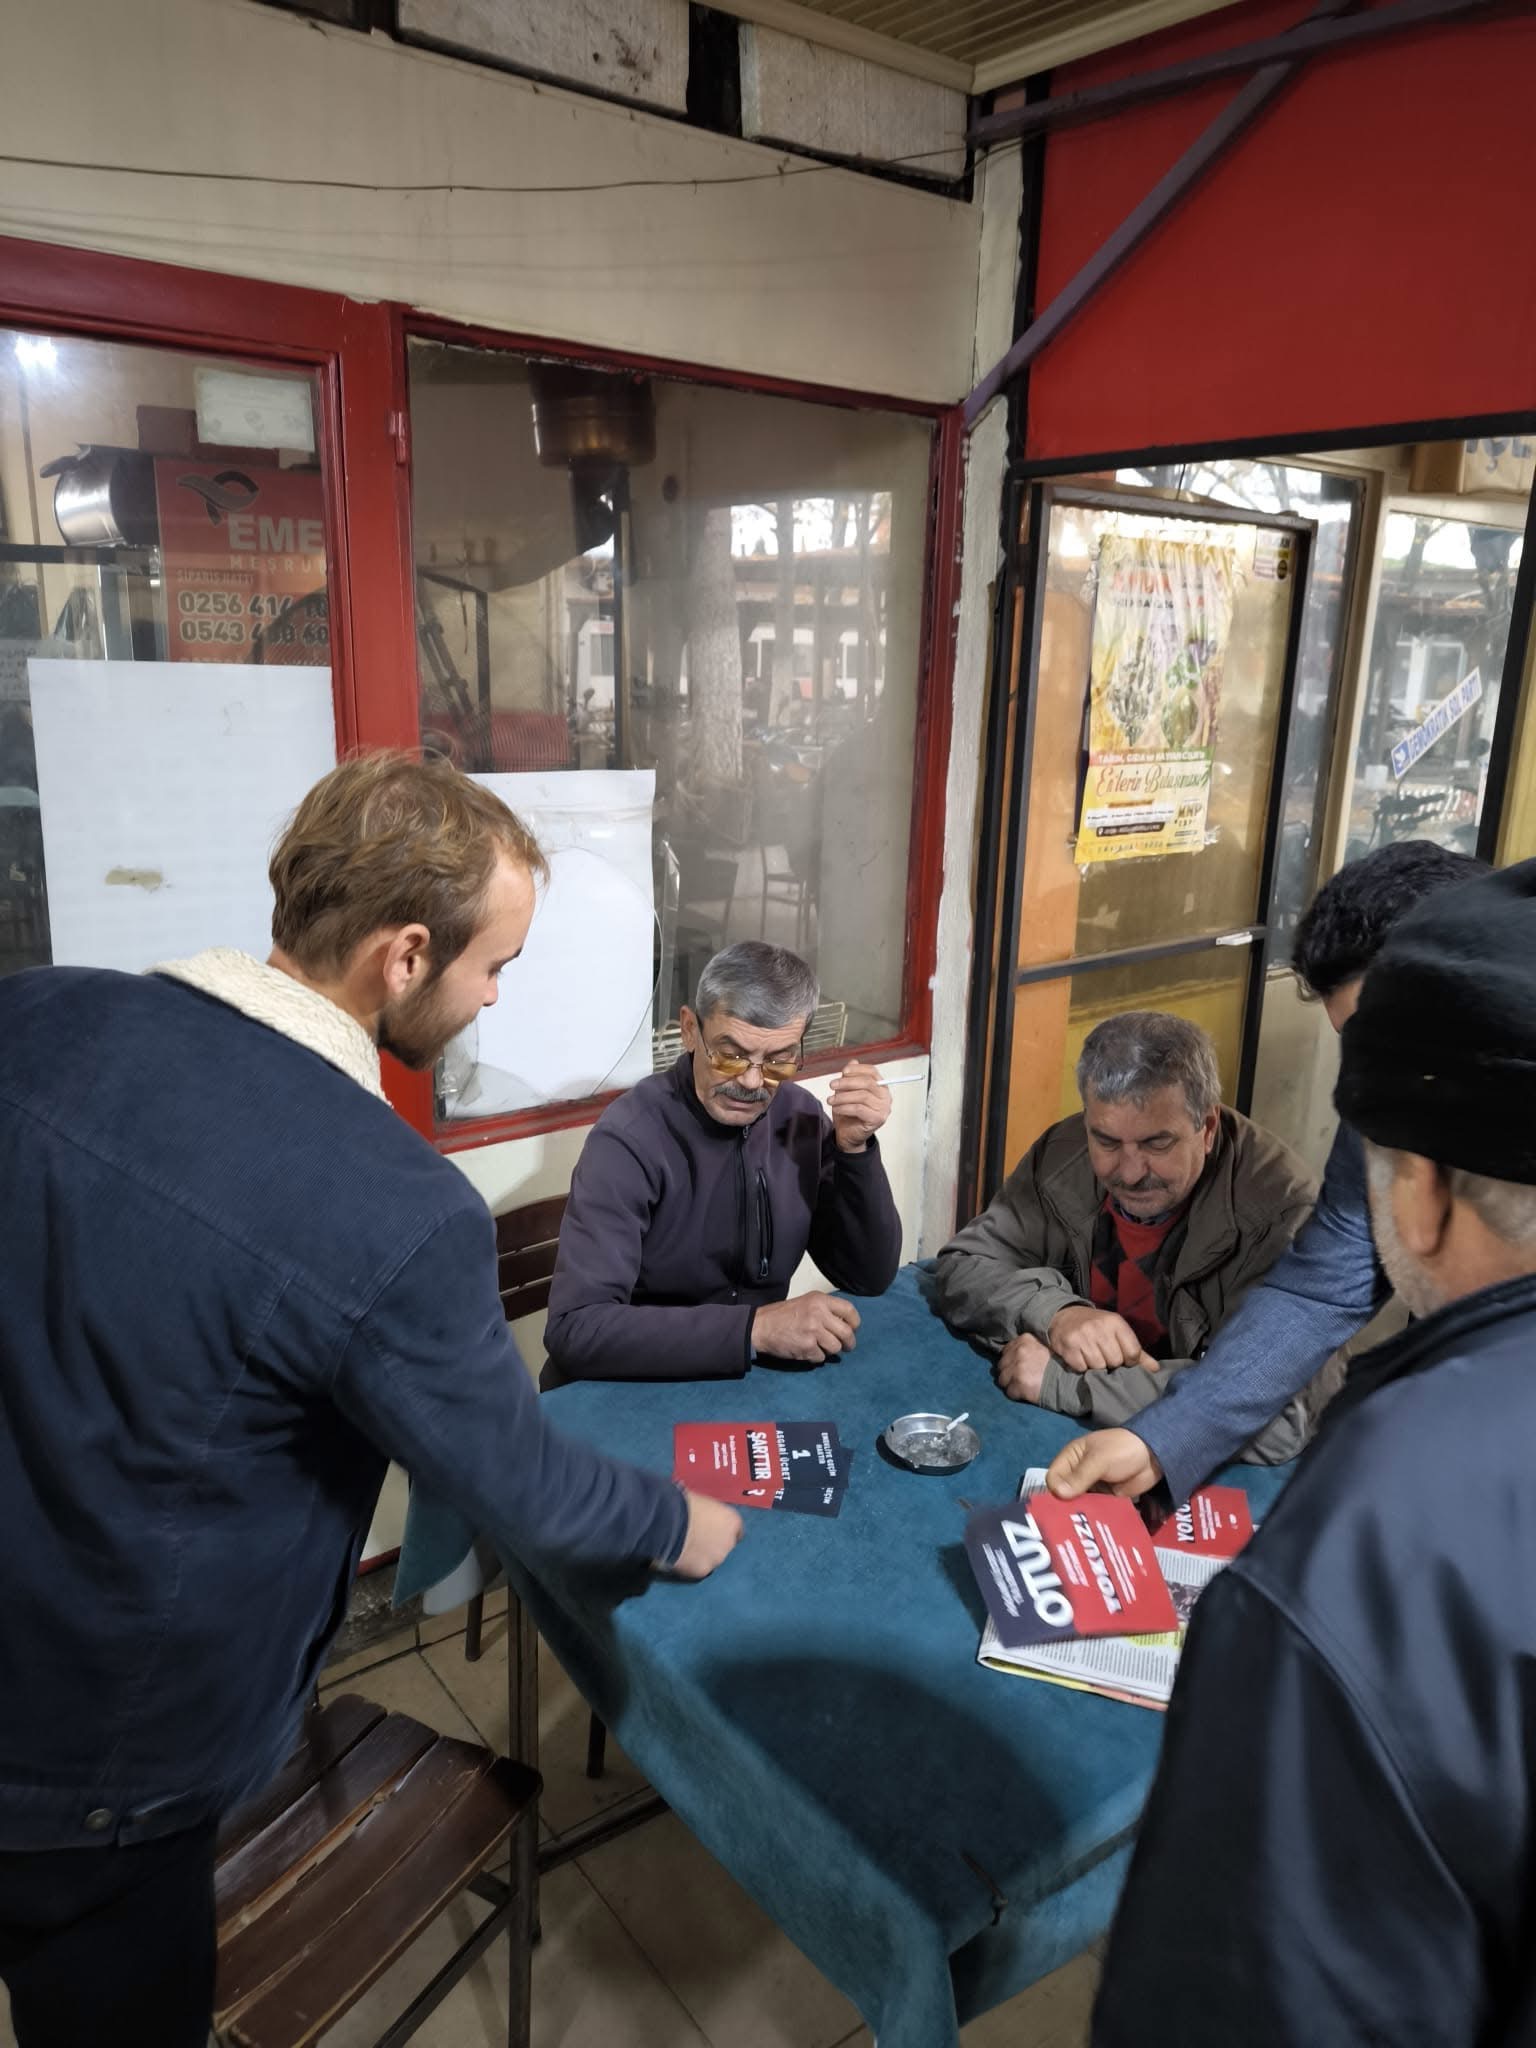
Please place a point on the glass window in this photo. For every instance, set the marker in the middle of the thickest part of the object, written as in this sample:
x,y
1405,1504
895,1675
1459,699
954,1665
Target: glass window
x,y
162,534
1444,593
706,605
1334,504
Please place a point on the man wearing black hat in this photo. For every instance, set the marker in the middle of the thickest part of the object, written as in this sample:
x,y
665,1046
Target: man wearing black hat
x,y
1340,1847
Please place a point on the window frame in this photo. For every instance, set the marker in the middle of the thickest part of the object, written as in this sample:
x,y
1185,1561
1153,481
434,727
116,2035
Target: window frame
x,y
936,645
358,353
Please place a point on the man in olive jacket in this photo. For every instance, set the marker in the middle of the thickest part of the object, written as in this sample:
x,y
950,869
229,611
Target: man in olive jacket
x,y
1127,1235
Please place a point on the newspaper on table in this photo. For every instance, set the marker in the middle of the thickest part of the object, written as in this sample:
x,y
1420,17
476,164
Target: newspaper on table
x,y
1138,1669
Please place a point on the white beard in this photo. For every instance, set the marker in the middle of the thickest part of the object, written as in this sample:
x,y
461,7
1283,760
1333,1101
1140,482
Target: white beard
x,y
1413,1286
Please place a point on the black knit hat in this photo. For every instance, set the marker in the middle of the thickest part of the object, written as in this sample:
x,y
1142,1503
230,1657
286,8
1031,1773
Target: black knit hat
x,y
1440,1057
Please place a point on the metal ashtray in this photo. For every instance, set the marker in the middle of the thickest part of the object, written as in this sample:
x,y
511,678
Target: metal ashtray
x,y
926,1443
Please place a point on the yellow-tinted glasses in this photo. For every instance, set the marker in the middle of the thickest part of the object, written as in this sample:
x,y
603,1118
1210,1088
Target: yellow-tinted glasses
x,y
729,1064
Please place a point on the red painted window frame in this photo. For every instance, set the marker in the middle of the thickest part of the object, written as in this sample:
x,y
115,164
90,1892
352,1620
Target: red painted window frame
x,y
358,351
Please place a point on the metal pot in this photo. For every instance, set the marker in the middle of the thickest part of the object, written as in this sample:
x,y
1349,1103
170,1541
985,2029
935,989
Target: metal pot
x,y
105,497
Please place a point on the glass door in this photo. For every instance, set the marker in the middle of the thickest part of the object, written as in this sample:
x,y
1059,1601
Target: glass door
x,y
1165,655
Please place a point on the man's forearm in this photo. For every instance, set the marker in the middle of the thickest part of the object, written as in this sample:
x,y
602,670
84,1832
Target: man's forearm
x,y
630,1341
855,1235
994,1301
1273,1348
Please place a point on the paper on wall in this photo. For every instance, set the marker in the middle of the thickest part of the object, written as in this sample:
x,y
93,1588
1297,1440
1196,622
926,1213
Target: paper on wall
x,y
163,787
574,1015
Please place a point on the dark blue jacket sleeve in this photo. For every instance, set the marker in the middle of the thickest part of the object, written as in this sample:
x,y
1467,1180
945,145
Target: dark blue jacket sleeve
x,y
595,1330
855,1230
1284,1889
433,1377
1319,1293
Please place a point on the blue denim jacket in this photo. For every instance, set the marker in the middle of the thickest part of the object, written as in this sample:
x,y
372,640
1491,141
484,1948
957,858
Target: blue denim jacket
x,y
1316,1295
232,1285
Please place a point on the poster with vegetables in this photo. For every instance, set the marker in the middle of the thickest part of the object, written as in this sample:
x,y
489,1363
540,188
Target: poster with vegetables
x,y
1162,619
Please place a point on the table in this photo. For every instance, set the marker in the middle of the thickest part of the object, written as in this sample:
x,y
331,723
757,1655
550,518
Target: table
x,y
935,1836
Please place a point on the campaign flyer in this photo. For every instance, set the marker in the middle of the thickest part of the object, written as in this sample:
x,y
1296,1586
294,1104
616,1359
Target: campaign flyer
x,y
723,1459
1050,1570
1216,1521
795,1467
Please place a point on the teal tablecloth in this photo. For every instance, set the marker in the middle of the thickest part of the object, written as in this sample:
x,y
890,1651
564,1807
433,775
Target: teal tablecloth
x,y
815,1712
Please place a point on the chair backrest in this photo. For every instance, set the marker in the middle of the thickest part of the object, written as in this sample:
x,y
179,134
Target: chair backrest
x,y
527,1240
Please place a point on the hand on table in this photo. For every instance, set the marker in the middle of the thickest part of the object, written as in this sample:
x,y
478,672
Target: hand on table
x,y
1108,1461
1021,1368
714,1530
811,1328
859,1103
1095,1340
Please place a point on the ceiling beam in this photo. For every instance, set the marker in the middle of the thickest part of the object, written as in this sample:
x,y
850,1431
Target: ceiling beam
x,y
1312,37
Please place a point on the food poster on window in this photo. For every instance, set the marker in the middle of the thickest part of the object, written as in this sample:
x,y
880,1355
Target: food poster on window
x,y
243,553
1162,620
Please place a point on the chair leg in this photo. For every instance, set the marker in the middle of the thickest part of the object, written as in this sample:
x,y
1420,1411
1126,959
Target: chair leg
x,y
597,1748
474,1618
523,1931
522,1685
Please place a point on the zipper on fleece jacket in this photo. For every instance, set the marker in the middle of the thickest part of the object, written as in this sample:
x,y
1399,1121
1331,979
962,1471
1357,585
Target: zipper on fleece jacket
x,y
764,1220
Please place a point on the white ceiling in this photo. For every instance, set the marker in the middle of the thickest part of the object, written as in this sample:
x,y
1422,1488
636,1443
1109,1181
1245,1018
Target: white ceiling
x,y
973,45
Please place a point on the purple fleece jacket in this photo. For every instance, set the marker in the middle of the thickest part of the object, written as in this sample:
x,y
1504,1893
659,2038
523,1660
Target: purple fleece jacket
x,y
678,1228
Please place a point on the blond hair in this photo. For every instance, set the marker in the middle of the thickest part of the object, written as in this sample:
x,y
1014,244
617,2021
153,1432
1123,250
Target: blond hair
x,y
384,840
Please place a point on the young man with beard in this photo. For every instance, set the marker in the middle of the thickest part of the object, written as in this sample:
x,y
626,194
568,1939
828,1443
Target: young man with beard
x,y
1339,1847
233,1285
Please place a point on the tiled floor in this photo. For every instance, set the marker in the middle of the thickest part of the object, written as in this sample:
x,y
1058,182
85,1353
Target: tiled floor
x,y
647,1942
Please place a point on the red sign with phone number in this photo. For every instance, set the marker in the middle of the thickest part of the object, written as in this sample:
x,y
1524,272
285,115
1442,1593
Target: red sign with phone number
x,y
243,555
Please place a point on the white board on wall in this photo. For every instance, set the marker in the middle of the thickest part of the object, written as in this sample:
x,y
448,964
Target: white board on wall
x,y
163,786
574,1015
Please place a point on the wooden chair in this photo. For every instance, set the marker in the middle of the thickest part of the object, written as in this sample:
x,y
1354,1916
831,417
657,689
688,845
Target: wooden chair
x,y
371,1829
527,1240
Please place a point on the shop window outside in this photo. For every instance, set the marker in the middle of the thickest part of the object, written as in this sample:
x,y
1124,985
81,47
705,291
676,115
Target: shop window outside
x,y
1444,601
701,602
1335,504
165,684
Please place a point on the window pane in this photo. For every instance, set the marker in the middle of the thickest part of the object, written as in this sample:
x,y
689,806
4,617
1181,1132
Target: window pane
x,y
1052,1018
721,592
161,535
1443,604
1334,503
1076,908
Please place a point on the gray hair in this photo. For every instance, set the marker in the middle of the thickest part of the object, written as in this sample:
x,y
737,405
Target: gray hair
x,y
1128,1058
766,986
1506,1207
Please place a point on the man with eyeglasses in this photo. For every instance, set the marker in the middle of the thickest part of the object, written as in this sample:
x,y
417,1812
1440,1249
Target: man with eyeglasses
x,y
700,1191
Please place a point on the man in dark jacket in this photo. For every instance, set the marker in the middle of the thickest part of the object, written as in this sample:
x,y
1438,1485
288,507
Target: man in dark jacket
x,y
699,1192
233,1284
1126,1236
1340,1846
1329,1284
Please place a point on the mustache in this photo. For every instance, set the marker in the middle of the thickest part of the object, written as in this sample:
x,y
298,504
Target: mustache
x,y
734,1092
1150,1186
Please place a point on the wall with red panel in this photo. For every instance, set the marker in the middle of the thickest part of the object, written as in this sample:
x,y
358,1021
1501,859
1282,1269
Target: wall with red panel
x,y
1360,256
